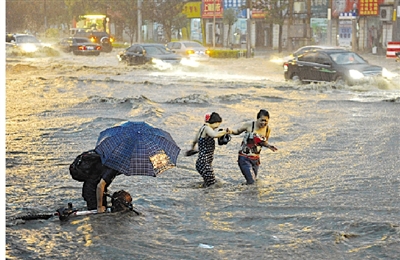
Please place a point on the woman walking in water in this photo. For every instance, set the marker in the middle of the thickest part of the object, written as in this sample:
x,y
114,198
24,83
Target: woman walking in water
x,y
206,143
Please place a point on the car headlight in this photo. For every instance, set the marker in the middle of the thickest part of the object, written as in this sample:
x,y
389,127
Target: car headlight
x,y
29,47
355,74
387,74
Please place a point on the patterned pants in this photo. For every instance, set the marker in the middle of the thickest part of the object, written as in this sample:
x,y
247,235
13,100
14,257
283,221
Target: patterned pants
x,y
204,161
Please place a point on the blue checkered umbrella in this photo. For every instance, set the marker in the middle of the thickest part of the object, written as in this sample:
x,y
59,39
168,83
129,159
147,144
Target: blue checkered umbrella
x,y
136,148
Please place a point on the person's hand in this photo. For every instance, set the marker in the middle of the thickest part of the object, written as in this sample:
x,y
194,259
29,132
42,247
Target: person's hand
x,y
191,152
101,209
272,148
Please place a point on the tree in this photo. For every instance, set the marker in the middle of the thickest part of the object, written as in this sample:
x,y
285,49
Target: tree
x,y
125,14
180,21
276,11
163,12
77,8
34,15
230,17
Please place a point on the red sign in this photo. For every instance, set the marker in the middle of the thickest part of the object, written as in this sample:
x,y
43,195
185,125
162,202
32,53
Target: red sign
x,y
361,7
211,8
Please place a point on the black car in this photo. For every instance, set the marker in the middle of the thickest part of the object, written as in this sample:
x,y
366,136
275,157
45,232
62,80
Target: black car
x,y
102,38
305,49
80,46
148,53
331,65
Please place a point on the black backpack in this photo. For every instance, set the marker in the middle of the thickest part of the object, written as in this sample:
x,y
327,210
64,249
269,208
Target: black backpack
x,y
86,166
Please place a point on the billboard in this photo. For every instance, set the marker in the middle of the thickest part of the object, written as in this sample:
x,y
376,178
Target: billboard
x,y
211,8
359,7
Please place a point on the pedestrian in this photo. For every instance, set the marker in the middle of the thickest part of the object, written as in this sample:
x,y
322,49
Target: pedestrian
x,y
205,138
217,34
96,177
93,190
255,137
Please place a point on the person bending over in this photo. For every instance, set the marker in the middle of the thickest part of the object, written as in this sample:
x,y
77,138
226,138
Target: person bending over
x,y
93,190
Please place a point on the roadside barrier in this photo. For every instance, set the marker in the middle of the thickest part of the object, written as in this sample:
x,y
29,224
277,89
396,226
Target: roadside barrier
x,y
392,48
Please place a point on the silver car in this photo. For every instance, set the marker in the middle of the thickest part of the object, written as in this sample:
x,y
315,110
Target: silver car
x,y
190,49
24,42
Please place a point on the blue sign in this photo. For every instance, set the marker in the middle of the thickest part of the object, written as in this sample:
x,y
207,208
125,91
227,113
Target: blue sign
x,y
237,5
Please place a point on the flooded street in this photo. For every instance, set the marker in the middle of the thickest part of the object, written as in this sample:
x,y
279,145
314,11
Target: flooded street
x,y
332,191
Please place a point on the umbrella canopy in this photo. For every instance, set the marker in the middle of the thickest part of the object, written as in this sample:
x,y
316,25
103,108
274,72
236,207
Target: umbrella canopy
x,y
137,148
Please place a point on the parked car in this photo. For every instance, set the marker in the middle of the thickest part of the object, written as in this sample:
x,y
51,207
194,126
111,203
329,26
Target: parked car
x,y
190,49
102,38
307,49
23,42
147,53
80,46
331,65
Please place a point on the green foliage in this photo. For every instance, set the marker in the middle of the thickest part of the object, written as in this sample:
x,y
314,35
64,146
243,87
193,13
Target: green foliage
x,y
230,16
228,54
52,33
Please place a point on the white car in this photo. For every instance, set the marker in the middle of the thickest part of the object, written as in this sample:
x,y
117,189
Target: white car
x,y
190,49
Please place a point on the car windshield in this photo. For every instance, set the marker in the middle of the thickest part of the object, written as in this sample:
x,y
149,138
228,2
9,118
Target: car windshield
x,y
347,58
303,50
155,50
27,39
193,44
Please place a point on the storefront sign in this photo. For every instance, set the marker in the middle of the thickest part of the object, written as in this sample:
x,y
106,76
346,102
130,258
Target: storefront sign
x,y
237,5
212,8
369,7
192,9
359,7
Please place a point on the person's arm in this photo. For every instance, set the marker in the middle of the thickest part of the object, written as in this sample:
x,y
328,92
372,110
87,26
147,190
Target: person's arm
x,y
240,129
269,146
215,134
196,138
99,196
265,143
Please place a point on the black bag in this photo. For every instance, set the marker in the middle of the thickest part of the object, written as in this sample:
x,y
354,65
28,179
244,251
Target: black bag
x,y
224,139
86,166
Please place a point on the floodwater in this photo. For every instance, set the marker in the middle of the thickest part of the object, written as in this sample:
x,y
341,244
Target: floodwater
x,y
330,192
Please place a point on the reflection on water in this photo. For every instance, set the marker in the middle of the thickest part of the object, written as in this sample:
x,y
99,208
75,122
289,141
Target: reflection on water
x,y
331,190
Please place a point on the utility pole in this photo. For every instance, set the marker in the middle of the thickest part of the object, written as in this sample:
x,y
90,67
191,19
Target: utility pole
x,y
308,29
396,21
248,36
290,26
139,4
45,15
214,27
329,29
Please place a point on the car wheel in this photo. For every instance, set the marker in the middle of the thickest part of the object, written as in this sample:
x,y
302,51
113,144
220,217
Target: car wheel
x,y
295,78
340,82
